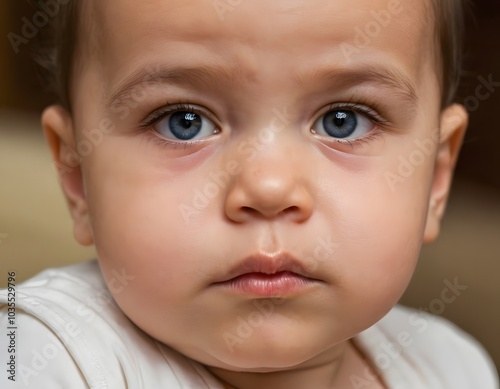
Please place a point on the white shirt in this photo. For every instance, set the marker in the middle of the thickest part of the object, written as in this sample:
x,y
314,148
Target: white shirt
x,y
70,334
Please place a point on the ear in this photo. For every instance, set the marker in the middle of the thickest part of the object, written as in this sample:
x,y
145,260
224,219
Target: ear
x,y
454,122
58,129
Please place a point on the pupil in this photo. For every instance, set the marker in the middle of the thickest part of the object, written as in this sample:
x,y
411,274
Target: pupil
x,y
340,119
185,125
340,124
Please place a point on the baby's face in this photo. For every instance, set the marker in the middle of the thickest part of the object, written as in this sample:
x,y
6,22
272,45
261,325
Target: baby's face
x,y
299,134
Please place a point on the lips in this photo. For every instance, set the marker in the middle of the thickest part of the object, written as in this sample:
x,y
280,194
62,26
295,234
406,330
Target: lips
x,y
265,275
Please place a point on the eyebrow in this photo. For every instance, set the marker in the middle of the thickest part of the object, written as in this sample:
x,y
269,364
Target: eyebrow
x,y
384,76
201,76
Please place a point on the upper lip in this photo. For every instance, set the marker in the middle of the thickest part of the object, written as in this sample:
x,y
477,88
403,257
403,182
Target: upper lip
x,y
267,263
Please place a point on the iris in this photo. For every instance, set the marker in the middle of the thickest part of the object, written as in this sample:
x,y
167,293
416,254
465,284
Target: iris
x,y
340,124
185,125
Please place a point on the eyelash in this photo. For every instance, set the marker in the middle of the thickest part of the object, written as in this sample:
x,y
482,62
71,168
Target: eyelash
x,y
359,107
162,113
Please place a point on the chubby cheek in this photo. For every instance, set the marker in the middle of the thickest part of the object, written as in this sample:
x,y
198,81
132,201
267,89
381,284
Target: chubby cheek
x,y
381,231
138,229
374,209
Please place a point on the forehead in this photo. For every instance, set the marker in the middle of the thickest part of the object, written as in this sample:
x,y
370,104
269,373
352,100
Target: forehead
x,y
243,35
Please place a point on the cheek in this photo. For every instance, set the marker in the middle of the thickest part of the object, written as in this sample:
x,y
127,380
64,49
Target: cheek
x,y
138,226
378,227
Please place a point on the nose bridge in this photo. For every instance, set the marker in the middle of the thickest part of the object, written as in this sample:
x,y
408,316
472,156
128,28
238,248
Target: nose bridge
x,y
267,143
271,180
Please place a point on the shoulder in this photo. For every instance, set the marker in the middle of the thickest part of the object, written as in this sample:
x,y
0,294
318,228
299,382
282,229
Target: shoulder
x,y
37,356
444,355
55,315
71,333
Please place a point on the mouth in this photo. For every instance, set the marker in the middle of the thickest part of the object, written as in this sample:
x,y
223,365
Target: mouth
x,y
265,275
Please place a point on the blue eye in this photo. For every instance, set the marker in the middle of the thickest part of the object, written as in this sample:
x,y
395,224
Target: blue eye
x,y
185,125
343,124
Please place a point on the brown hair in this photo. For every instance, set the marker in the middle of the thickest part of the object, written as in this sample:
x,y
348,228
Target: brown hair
x,y
55,52
450,31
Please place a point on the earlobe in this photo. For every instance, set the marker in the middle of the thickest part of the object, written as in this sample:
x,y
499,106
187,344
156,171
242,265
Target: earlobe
x,y
454,122
58,129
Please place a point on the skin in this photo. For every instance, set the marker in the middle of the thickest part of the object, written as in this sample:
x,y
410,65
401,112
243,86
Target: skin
x,y
126,194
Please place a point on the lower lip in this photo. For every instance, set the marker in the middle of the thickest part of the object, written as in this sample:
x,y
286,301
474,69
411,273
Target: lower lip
x,y
268,285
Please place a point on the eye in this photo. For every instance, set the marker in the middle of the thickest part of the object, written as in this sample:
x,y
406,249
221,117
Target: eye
x,y
184,124
343,124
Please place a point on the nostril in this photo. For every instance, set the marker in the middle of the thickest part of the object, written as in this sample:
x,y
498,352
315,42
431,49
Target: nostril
x,y
247,209
255,212
250,210
291,209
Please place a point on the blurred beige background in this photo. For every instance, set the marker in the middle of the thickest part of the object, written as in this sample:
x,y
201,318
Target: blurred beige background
x,y
36,232
35,226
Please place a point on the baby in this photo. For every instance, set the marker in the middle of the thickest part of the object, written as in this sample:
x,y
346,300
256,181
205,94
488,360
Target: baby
x,y
238,166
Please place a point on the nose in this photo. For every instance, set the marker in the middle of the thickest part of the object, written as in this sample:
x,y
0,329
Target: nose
x,y
268,190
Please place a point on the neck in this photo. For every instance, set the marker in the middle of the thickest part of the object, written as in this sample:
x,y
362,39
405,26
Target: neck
x,y
329,370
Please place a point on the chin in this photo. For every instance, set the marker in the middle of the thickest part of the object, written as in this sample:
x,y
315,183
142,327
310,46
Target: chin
x,y
263,357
